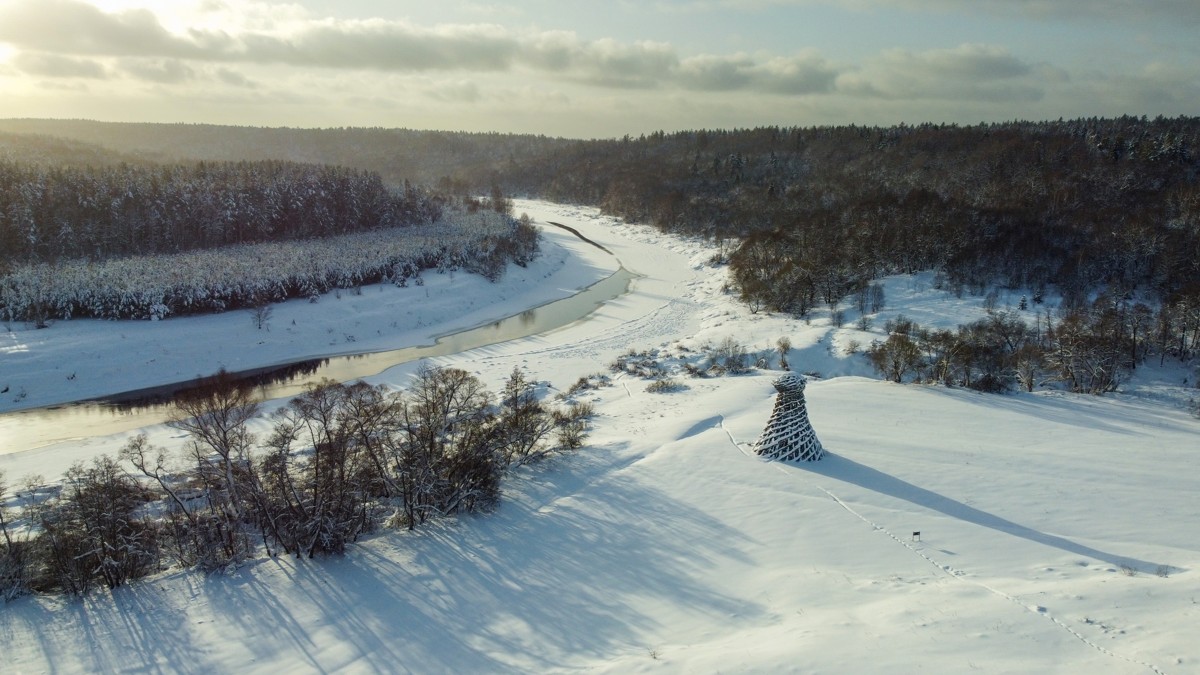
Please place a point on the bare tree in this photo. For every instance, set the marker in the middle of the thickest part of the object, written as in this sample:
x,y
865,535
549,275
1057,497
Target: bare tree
x,y
524,423
316,500
877,298
15,553
783,345
450,461
261,314
214,415
895,357
101,501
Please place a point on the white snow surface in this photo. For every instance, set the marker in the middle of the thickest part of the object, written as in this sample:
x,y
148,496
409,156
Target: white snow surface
x,y
1057,532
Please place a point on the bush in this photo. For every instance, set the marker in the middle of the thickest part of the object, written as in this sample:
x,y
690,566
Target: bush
x,y
730,357
665,386
571,425
15,553
90,532
586,383
643,364
895,357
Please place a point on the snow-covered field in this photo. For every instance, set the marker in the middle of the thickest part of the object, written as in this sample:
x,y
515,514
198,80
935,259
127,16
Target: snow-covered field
x,y
1058,532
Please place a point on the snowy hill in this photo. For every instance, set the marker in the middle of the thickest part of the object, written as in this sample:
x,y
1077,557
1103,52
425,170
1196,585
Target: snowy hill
x,y
1057,532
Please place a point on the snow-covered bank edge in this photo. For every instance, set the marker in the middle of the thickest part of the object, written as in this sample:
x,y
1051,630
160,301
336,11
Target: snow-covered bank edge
x,y
86,359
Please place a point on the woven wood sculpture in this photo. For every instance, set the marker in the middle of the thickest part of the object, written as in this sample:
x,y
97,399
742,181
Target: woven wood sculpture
x,y
789,435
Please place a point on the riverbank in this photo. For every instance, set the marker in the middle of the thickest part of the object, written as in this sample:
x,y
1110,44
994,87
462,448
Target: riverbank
x,y
87,359
666,545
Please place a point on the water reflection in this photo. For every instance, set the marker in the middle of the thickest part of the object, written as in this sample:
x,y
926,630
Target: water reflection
x,y
261,379
28,429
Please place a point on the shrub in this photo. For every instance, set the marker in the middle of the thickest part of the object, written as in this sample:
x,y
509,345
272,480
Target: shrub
x,y
571,425
665,386
730,356
15,553
90,532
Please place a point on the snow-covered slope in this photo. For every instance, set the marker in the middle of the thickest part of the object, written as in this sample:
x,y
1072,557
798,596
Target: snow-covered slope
x,y
1057,531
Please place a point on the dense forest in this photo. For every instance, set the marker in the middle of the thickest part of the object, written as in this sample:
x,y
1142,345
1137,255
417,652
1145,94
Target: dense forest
x,y
55,212
91,232
1102,212
254,275
817,210
1076,204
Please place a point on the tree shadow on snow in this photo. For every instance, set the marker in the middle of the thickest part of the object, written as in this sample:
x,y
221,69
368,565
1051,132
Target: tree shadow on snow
x,y
1083,411
545,588
849,471
574,568
133,629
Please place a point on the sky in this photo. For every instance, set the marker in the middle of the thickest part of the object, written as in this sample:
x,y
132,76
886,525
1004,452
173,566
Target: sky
x,y
597,69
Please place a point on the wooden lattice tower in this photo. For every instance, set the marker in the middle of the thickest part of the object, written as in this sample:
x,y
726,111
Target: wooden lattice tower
x,y
789,435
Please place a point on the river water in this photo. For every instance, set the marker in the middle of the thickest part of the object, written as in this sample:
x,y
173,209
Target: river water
x,y
38,427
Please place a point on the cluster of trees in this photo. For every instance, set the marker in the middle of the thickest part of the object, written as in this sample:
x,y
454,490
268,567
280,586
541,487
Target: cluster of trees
x,y
814,214
1090,349
54,212
340,461
157,286
1074,203
1078,204
86,233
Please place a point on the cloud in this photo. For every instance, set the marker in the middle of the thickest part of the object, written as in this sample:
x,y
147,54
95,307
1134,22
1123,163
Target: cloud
x,y
716,73
791,76
71,86
1150,90
70,27
234,78
455,92
53,65
382,45
1173,11
604,62
798,75
970,72
641,60
1177,11
162,71
231,39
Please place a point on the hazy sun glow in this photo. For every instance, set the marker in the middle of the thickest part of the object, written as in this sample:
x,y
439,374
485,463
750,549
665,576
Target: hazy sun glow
x,y
569,69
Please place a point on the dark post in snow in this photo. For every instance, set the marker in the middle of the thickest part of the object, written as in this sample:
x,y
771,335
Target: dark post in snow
x,y
789,435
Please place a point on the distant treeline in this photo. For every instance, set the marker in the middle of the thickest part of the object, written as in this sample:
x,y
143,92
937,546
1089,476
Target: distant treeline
x,y
92,232
817,212
813,212
52,212
464,160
